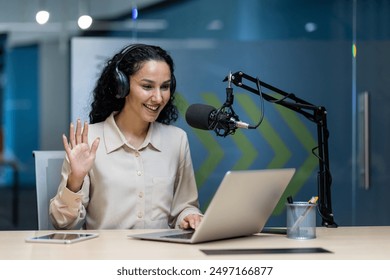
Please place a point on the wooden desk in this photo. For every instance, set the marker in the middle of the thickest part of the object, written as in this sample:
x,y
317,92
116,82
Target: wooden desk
x,y
345,243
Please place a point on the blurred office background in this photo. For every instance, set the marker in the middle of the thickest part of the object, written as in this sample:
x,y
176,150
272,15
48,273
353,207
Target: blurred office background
x,y
332,53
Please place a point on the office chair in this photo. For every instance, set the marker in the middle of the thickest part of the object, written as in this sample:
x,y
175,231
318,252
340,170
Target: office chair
x,y
48,175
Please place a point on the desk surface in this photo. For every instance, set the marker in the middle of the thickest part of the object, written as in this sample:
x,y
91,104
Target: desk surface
x,y
349,243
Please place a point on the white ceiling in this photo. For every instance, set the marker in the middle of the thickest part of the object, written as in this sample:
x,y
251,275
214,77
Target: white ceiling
x,y
17,17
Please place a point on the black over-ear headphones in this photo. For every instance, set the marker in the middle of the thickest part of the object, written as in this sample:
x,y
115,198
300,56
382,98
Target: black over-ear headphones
x,y
122,81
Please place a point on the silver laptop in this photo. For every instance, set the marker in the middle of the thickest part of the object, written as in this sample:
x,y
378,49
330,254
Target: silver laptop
x,y
240,207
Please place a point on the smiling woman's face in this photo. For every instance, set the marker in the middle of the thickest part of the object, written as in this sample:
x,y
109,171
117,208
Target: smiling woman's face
x,y
149,91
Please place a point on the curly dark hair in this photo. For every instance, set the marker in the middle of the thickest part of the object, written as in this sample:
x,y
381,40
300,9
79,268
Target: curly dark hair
x,y
129,60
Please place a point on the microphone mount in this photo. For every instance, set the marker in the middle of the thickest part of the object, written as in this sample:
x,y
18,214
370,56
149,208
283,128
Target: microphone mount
x,y
224,118
316,114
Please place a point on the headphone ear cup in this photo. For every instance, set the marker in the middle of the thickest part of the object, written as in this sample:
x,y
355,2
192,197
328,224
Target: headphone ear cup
x,y
123,85
173,84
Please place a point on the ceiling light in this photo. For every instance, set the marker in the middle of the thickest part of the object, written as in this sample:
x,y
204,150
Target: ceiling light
x,y
84,21
42,17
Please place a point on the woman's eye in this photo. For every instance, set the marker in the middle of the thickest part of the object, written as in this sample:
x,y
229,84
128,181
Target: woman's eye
x,y
147,87
165,87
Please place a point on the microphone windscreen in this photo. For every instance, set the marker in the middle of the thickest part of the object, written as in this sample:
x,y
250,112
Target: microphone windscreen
x,y
198,116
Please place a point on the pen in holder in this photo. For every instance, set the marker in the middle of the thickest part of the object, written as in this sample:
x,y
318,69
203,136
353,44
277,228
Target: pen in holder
x,y
301,219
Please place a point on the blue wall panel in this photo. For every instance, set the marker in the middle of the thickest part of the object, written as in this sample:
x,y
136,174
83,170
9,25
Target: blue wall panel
x,y
21,112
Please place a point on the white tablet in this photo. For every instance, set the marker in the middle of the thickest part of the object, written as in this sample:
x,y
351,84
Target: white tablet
x,y
62,237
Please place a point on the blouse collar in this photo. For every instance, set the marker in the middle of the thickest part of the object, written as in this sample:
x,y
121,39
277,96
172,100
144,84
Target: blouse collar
x,y
114,138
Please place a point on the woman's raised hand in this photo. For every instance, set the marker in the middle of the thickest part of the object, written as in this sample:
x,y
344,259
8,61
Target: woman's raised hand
x,y
81,156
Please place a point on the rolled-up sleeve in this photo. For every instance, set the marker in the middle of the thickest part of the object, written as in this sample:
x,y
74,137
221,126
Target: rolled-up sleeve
x,y
67,208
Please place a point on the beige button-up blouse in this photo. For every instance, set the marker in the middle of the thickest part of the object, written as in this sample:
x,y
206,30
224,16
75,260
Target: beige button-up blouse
x,y
127,188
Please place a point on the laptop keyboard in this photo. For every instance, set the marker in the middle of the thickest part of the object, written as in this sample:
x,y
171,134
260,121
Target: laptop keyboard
x,y
186,235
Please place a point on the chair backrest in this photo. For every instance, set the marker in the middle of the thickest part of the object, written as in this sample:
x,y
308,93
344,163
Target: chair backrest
x,y
48,175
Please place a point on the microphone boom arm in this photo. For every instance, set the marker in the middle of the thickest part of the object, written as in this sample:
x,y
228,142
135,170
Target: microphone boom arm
x,y
316,114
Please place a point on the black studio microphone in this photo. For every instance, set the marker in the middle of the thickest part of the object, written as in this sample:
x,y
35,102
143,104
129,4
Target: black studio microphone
x,y
223,121
206,117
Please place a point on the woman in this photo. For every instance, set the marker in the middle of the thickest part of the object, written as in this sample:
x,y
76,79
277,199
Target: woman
x,y
129,168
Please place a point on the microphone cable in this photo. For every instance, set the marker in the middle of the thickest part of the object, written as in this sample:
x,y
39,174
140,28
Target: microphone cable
x,y
259,89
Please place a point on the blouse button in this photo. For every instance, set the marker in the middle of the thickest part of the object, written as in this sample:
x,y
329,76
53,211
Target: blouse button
x,y
137,154
139,173
139,215
140,194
